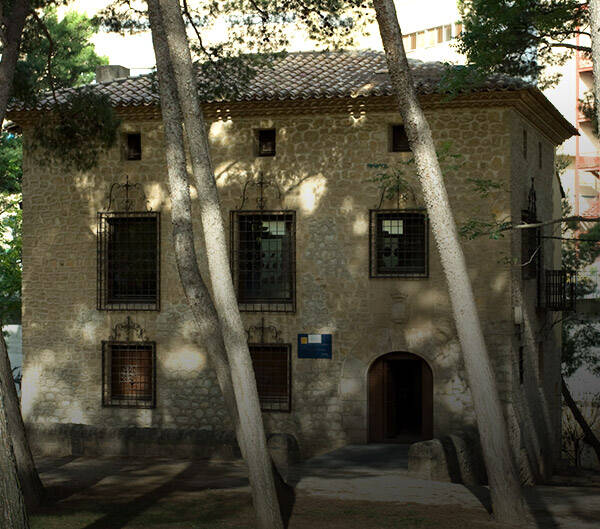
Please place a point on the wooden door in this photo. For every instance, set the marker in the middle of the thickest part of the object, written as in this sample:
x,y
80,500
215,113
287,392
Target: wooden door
x,y
384,408
376,406
427,401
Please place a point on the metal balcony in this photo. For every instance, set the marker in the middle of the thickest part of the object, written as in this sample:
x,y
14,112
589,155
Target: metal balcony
x,y
559,290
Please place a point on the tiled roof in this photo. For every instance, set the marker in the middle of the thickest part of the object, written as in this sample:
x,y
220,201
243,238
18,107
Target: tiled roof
x,y
297,76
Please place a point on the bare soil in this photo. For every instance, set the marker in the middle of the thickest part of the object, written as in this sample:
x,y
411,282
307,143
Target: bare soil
x,y
218,509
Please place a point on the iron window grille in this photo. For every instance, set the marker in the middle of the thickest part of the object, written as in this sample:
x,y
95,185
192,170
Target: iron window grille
x,y
272,369
559,289
263,258
398,243
128,260
399,139
129,374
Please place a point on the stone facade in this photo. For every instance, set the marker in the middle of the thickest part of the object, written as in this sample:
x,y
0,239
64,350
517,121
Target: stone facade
x,y
321,170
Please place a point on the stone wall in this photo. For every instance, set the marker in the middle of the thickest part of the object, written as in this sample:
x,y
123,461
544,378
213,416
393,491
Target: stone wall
x,y
321,170
536,401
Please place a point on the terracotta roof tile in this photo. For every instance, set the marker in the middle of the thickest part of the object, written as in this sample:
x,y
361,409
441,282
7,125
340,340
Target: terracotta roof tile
x,y
297,76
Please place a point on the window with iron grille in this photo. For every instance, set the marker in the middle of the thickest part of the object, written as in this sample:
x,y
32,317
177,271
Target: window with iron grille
x,y
399,139
398,243
129,374
263,259
271,363
531,248
128,261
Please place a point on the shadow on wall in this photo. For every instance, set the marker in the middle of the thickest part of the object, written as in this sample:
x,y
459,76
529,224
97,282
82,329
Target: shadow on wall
x,y
312,193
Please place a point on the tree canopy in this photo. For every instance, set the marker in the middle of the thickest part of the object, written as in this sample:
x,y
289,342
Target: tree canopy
x,y
66,43
523,38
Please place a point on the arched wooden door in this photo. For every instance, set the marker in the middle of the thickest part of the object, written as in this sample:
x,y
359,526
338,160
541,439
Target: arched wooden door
x,y
400,398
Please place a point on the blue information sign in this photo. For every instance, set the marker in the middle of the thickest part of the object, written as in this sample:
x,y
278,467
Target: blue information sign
x,y
314,346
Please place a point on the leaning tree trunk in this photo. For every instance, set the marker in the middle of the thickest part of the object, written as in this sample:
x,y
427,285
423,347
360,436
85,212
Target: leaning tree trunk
x,y
195,289
594,7
589,436
10,51
33,490
505,488
30,481
13,514
251,430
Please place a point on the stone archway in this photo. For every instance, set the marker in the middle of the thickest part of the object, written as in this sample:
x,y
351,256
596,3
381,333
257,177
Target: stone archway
x,y
400,399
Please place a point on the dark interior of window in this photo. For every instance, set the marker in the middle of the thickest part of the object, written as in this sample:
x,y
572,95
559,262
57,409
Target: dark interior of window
x,y
399,141
132,260
134,146
265,258
271,364
401,244
266,142
129,374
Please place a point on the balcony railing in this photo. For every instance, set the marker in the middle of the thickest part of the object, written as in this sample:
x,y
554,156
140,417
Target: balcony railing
x,y
559,290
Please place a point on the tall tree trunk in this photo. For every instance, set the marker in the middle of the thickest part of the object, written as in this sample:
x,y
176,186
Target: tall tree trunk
x,y
251,430
594,7
589,436
15,20
29,478
195,289
505,488
33,490
13,514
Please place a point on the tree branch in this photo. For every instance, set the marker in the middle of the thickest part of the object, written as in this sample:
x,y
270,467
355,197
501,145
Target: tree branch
x,y
589,436
570,46
553,221
262,12
188,15
44,29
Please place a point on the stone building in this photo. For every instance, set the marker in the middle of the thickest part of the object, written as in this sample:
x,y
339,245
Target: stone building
x,y
338,277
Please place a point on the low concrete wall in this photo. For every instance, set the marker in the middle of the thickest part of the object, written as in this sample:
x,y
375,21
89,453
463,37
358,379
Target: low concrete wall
x,y
450,458
83,440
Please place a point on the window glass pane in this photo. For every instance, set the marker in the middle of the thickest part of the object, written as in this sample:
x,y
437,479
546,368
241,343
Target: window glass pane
x,y
447,32
265,257
393,227
132,257
401,244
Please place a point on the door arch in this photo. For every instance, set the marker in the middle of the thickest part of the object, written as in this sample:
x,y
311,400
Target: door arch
x,y
400,399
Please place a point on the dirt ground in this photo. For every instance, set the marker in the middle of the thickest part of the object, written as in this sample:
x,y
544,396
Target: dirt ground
x,y
214,509
116,493
122,493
